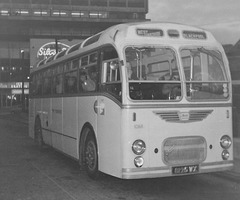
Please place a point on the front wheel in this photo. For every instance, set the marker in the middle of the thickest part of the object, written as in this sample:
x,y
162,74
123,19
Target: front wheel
x,y
91,157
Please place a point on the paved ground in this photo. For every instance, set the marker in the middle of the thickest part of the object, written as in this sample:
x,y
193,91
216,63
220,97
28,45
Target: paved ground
x,y
31,173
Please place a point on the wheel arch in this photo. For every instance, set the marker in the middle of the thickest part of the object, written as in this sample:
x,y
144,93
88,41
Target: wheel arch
x,y
82,139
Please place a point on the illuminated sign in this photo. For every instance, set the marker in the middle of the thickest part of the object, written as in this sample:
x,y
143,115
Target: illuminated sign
x,y
49,49
195,35
150,32
43,48
13,85
18,91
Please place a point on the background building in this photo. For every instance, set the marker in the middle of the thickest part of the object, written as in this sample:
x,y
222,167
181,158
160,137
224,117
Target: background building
x,y
32,28
233,54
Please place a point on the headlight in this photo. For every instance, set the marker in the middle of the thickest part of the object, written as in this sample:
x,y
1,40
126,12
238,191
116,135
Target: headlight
x,y
138,147
225,142
138,161
225,154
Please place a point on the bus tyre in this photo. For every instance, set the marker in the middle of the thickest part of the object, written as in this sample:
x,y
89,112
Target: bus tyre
x,y
91,157
38,133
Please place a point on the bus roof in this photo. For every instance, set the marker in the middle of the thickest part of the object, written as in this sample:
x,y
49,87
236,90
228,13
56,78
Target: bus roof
x,y
164,32
137,33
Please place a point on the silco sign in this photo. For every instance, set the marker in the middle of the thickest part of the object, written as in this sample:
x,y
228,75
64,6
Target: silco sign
x,y
49,49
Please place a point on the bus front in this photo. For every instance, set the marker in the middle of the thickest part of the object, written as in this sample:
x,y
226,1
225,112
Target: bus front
x,y
177,110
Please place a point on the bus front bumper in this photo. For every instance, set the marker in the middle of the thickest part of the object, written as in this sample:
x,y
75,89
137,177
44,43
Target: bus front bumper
x,y
167,171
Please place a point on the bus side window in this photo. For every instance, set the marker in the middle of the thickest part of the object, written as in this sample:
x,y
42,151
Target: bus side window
x,y
70,85
47,82
111,77
111,81
109,53
57,80
46,86
57,84
39,84
33,85
88,79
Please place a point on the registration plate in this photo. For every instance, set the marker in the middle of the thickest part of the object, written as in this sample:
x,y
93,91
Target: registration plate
x,y
191,169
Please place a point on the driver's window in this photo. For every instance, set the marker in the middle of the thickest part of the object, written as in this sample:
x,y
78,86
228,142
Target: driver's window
x,y
151,64
111,76
201,66
192,65
197,68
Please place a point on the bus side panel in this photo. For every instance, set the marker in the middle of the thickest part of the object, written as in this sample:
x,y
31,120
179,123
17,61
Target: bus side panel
x,y
46,116
57,123
38,109
70,119
31,116
86,115
109,137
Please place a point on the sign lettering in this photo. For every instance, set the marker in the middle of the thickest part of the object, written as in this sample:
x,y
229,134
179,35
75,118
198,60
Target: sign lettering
x,y
195,35
49,49
150,32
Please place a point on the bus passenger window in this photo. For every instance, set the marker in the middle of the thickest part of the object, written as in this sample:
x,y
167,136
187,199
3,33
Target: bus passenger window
x,y
93,58
109,53
33,85
70,85
39,84
86,82
57,84
46,86
57,80
75,64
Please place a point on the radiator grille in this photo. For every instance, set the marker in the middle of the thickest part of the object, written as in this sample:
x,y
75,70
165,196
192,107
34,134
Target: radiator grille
x,y
183,117
184,150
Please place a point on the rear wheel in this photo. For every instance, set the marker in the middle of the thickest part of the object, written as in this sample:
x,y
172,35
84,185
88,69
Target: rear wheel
x,y
91,156
38,133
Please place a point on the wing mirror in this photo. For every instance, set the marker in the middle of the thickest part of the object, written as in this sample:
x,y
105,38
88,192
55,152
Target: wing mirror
x,y
114,65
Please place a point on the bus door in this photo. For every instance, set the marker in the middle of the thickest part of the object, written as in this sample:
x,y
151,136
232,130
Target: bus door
x,y
108,111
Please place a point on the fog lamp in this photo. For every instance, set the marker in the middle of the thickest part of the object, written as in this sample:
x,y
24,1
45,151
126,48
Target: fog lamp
x,y
138,161
225,154
225,142
138,147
